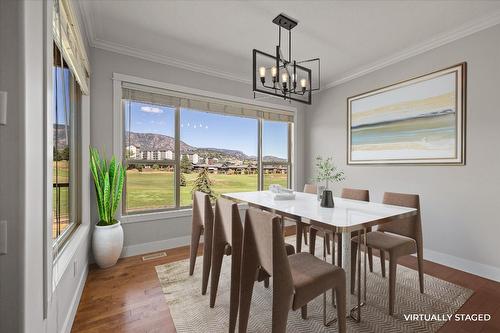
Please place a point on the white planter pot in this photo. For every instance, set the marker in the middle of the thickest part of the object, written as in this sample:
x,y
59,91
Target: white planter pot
x,y
107,244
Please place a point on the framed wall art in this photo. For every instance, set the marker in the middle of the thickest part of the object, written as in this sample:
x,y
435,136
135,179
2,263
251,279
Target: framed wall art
x,y
417,121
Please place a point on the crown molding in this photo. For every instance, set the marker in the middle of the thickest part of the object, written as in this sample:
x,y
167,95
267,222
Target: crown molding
x,y
163,59
435,42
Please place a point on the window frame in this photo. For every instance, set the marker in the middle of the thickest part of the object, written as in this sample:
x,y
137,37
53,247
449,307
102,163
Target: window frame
x,y
75,172
118,141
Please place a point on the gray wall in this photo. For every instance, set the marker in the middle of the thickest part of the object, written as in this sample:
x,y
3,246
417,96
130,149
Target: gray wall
x,y
22,179
158,233
9,164
459,203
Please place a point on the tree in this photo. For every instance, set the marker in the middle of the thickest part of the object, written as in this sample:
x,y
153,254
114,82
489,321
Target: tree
x,y
203,183
183,180
186,165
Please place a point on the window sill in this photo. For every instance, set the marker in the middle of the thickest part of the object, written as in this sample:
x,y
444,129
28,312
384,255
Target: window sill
x,y
64,259
150,217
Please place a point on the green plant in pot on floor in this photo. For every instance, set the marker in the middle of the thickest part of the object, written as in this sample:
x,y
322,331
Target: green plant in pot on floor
x,y
328,173
107,240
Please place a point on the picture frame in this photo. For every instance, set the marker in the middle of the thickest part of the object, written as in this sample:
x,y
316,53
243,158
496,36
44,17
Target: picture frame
x,y
419,121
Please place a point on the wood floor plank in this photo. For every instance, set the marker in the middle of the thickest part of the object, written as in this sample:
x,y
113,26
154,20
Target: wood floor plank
x,y
128,297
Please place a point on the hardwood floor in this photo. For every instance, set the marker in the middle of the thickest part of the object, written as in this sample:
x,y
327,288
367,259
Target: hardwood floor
x,y
128,297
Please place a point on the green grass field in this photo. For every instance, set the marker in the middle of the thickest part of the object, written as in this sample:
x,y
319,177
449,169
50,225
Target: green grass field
x,y
150,190
155,189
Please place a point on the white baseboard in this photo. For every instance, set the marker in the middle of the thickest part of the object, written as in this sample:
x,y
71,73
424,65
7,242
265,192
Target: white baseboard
x,y
136,249
70,317
469,266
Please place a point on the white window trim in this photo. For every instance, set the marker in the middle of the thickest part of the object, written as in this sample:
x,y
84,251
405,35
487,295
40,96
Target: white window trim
x,y
118,133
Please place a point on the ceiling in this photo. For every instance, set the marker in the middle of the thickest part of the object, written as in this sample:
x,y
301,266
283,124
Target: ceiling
x,y
217,37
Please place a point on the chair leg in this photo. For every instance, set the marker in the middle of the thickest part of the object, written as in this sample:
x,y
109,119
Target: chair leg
x,y
195,241
354,250
339,250
420,261
246,291
370,259
392,283
327,241
382,262
303,312
341,307
304,230
333,263
298,236
235,289
312,240
266,282
217,256
207,258
281,307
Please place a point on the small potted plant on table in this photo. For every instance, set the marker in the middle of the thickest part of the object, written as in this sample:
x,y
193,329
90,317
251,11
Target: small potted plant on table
x,y
327,172
107,240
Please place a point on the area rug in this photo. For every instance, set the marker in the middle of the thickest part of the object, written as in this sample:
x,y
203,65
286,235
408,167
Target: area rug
x,y
191,312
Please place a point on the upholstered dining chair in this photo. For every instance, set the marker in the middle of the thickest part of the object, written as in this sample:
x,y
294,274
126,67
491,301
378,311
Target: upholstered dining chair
x,y
347,193
227,240
297,279
398,238
202,223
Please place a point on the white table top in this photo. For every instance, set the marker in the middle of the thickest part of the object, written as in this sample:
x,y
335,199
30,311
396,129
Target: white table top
x,y
347,215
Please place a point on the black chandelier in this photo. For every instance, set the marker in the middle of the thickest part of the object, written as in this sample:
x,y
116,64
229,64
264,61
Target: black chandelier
x,y
283,77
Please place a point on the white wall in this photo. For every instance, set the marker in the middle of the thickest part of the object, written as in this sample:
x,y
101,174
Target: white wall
x,y
459,203
10,12
22,182
149,236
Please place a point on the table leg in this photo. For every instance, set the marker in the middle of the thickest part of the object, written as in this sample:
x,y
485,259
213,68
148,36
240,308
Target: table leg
x,y
346,265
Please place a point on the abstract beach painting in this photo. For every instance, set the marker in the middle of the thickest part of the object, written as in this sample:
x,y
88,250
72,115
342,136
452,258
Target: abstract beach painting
x,y
418,121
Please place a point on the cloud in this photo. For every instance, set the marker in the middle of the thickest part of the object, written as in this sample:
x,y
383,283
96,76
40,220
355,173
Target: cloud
x,y
151,109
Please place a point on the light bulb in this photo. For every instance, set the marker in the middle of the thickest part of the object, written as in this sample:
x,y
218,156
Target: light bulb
x,y
303,83
262,71
284,77
274,71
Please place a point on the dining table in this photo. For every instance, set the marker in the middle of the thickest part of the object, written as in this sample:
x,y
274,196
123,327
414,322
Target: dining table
x,y
346,217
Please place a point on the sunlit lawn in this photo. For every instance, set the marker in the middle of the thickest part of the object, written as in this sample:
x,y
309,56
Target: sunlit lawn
x,y
155,189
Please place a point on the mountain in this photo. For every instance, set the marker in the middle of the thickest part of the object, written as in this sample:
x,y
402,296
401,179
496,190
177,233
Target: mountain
x,y
59,134
151,141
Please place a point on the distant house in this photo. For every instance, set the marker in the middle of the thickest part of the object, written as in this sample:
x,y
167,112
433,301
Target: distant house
x,y
195,158
132,152
169,155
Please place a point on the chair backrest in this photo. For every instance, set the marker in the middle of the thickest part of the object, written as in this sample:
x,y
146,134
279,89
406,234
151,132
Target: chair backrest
x,y
408,227
355,194
202,209
310,188
227,223
264,246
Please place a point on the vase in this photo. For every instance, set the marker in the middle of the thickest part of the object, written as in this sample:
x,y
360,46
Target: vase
x,y
107,244
327,199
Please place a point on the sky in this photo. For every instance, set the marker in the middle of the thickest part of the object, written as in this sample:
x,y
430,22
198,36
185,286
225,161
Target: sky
x,y
209,130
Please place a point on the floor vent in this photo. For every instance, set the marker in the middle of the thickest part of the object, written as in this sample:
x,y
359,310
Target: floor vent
x,y
153,256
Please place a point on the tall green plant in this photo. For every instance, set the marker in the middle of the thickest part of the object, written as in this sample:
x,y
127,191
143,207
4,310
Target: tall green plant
x,y
108,181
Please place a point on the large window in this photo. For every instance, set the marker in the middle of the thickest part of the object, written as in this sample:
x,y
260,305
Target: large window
x,y
149,157
169,141
275,153
65,116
